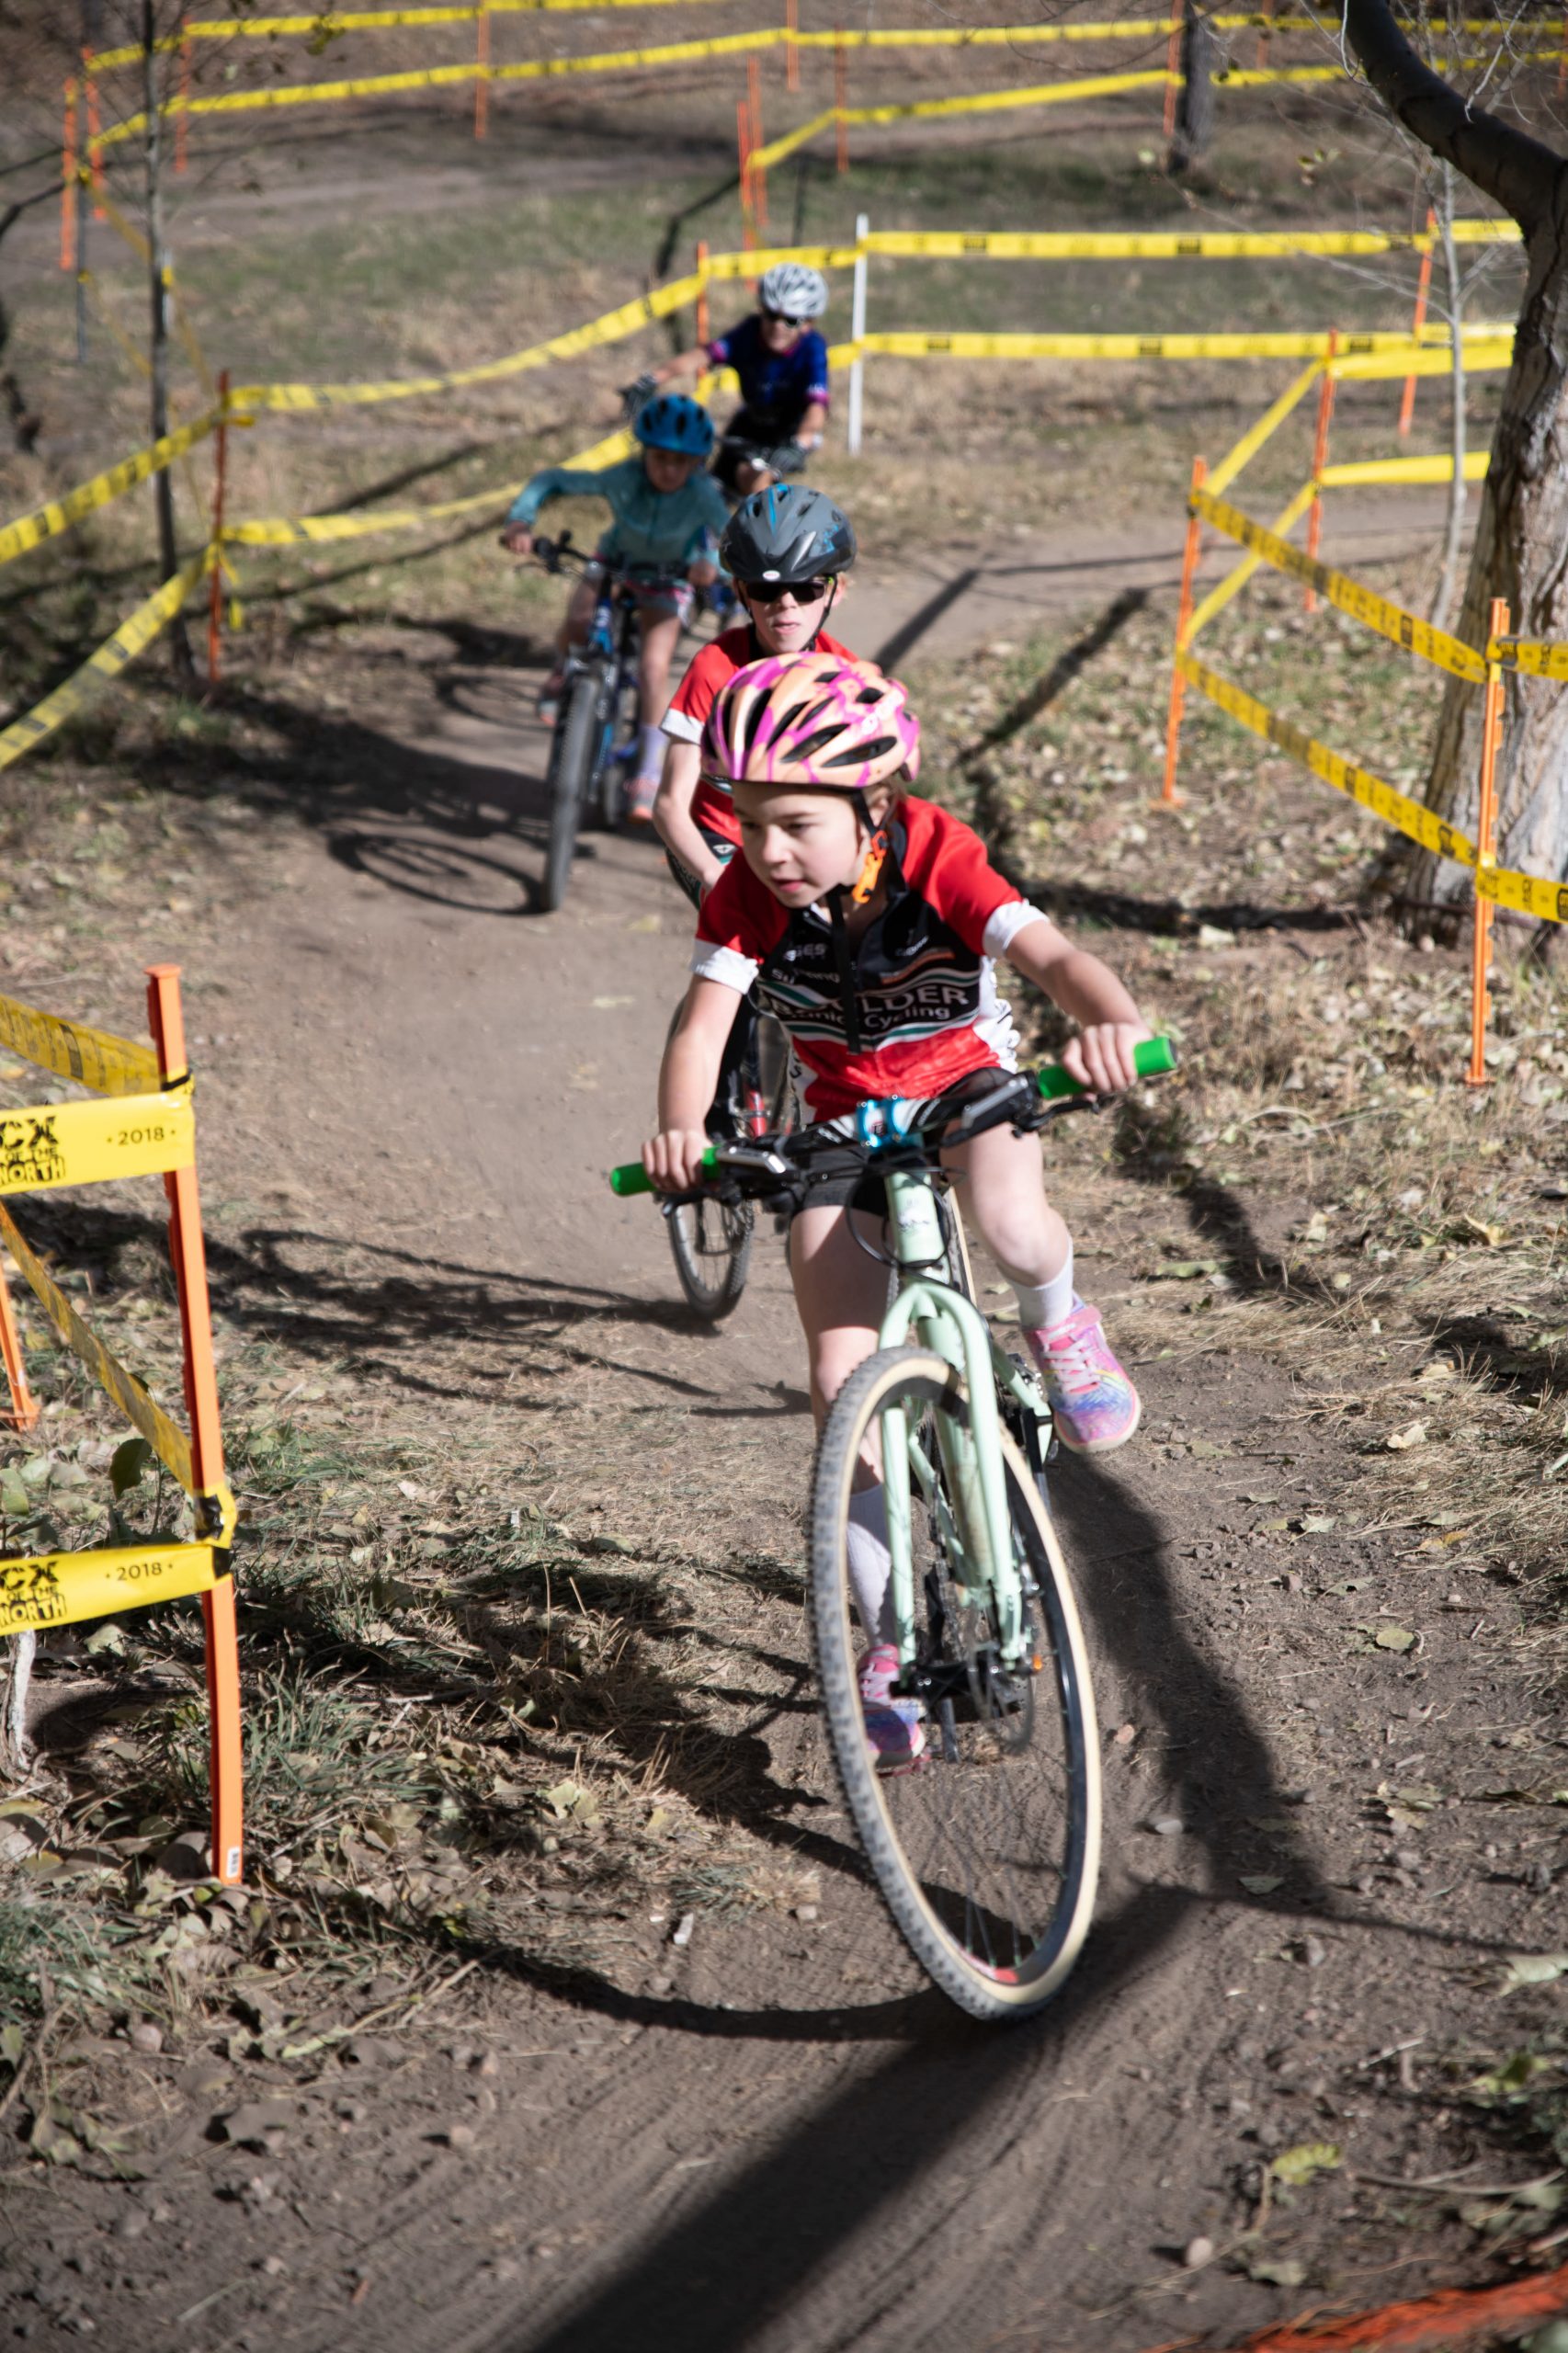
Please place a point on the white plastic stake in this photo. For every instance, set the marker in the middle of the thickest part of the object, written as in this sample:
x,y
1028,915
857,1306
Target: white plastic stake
x,y
856,334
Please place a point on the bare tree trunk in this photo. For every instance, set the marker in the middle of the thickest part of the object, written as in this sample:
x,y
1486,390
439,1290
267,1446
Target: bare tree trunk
x,y
1458,489
158,352
1195,100
1521,542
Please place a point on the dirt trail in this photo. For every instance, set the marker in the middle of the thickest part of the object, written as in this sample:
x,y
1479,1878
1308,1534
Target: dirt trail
x,y
783,2140
797,2144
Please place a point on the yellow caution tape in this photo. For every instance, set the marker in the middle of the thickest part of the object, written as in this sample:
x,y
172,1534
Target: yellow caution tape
x,y
1394,808
60,1588
169,1442
329,23
93,1058
1402,470
1533,657
1362,604
92,1144
279,531
918,345
612,327
134,635
751,265
1528,893
1050,94
1156,245
1234,582
1483,356
46,522
1252,439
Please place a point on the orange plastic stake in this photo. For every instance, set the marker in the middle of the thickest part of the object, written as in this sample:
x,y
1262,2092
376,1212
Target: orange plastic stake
x,y
702,323
1440,2323
482,79
220,489
841,98
68,179
1170,798
94,133
1263,35
1418,319
754,136
1320,459
25,1407
1172,73
743,144
1486,847
791,54
182,120
167,1021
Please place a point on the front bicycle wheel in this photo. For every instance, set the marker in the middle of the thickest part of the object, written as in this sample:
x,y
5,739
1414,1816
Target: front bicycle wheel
x,y
986,1852
711,1242
567,778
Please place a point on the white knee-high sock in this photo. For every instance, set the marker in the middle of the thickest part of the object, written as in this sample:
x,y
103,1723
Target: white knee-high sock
x,y
1043,1305
871,1563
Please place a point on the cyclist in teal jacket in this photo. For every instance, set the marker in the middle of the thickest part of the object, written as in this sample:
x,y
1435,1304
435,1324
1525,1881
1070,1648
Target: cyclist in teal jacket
x,y
668,515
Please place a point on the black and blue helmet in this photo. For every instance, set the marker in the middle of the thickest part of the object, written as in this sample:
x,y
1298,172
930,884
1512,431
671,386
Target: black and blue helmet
x,y
788,532
671,421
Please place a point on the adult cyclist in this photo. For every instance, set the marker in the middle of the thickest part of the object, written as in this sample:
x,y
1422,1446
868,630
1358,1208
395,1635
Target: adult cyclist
x,y
787,548
781,362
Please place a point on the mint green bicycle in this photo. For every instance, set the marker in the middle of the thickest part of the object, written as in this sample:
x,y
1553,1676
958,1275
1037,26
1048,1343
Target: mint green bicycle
x,y
987,1851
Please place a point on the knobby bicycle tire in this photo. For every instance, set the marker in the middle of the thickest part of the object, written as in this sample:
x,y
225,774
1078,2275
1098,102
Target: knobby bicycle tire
x,y
986,1853
567,779
710,1243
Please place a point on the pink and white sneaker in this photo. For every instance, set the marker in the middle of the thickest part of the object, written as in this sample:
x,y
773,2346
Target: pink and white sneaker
x,y
1093,1403
895,1729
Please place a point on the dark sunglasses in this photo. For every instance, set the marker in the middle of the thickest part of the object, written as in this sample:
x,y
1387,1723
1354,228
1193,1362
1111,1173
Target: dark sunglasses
x,y
804,592
781,318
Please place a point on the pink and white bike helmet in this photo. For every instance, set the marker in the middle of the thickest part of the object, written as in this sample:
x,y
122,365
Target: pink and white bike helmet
x,y
812,719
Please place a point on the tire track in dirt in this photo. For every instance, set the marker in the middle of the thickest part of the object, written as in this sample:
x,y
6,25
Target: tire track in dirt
x,y
799,2145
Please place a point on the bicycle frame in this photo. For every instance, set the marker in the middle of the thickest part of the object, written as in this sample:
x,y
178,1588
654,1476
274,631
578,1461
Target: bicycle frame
x,y
946,1322
609,640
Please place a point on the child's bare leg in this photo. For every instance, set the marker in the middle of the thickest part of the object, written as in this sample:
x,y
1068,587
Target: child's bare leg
x,y
1002,1186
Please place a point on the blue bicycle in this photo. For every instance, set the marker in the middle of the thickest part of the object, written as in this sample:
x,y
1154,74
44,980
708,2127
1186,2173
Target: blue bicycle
x,y
595,743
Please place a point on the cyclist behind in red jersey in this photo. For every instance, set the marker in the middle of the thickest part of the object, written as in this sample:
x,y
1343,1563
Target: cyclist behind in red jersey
x,y
781,362
787,550
866,921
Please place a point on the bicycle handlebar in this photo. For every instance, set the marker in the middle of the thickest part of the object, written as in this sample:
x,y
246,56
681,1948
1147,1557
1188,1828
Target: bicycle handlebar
x,y
1153,1058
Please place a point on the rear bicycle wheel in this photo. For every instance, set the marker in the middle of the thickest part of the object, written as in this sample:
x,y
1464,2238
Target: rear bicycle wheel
x,y
986,1853
571,755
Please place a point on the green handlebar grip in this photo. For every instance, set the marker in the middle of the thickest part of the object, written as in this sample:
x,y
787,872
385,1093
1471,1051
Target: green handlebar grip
x,y
1151,1059
632,1177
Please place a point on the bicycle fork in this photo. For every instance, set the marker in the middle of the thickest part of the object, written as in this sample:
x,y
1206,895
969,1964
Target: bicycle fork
x,y
980,1543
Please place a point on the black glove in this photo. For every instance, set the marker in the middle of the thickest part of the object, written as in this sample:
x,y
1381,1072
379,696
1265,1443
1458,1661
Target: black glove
x,y
788,458
635,396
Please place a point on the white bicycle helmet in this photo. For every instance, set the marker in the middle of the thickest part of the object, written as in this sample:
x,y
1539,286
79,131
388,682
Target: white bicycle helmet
x,y
790,291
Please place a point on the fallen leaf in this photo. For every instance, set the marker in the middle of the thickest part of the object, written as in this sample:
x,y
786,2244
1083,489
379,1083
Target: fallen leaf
x,y
1400,1441
606,1003
252,2121
1318,1523
1261,1882
1308,2158
127,1464
645,923
1287,2272
1532,1968
1491,1234
1394,1637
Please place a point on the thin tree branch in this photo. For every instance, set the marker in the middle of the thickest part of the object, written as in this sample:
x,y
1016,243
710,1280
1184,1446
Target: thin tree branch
x,y
1517,172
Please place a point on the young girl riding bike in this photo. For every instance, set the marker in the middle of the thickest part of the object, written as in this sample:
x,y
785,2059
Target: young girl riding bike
x,y
668,515
781,362
868,921
787,550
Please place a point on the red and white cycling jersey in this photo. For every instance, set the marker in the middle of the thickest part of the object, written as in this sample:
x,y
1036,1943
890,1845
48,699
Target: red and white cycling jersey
x,y
925,993
712,807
